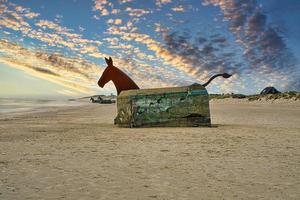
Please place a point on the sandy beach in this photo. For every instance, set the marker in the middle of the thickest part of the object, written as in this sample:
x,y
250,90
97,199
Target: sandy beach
x,y
251,152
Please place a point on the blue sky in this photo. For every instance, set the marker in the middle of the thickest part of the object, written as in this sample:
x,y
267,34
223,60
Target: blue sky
x,y
56,48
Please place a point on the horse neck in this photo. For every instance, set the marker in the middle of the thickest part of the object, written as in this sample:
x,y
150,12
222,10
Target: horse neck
x,y
122,81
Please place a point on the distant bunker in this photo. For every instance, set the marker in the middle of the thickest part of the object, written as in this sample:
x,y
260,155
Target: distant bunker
x,y
164,107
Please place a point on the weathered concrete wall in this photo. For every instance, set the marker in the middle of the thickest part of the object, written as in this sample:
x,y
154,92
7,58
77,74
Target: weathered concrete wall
x,y
177,106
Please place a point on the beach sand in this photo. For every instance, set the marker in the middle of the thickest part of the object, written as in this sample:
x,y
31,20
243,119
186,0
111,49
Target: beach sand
x,y
251,152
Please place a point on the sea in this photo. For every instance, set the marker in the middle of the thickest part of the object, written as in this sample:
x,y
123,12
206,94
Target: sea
x,y
15,105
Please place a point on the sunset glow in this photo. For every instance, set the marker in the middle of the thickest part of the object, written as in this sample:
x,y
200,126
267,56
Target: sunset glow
x,y
59,46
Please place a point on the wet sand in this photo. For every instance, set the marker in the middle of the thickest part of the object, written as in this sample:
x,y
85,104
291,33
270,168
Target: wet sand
x,y
251,152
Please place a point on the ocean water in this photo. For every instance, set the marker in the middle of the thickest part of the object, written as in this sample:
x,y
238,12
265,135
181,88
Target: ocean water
x,y
10,105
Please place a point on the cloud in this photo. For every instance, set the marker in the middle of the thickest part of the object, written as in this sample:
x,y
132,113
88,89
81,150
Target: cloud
x,y
125,1
114,21
45,71
51,25
160,3
26,12
211,54
169,57
118,21
178,9
135,12
112,41
73,73
160,29
180,62
14,18
81,29
32,15
264,47
115,11
76,74
70,72
51,33
101,6
64,37
46,76
148,76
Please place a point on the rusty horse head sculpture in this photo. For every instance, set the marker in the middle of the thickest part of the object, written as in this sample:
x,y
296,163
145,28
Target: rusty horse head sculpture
x,y
123,82
119,78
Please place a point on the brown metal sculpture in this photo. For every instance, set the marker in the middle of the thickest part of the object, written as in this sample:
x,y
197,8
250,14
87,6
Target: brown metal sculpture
x,y
225,75
123,82
120,79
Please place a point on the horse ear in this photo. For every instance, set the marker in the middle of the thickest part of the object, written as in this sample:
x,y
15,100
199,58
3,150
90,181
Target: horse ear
x,y
106,60
110,61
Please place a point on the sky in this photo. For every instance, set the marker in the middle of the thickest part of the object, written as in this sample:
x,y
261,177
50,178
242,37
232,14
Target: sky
x,y
56,48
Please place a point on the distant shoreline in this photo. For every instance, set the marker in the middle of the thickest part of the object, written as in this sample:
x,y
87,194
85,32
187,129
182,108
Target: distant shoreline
x,y
22,105
18,105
